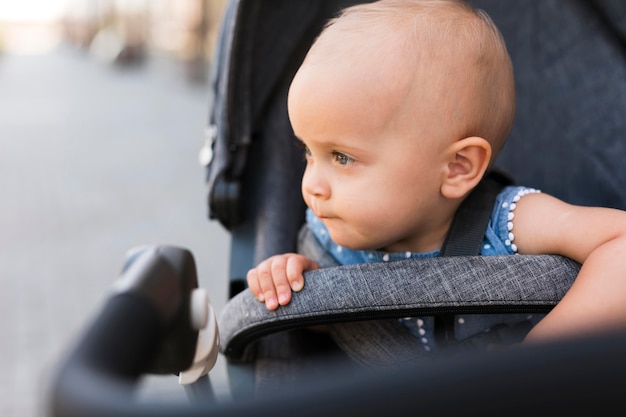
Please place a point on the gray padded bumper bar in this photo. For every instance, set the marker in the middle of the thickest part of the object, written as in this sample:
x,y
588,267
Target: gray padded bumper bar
x,y
413,287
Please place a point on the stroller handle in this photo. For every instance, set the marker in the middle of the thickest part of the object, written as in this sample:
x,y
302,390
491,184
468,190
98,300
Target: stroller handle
x,y
132,336
147,325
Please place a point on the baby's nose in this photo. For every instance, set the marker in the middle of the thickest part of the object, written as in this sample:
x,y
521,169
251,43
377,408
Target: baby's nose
x,y
314,183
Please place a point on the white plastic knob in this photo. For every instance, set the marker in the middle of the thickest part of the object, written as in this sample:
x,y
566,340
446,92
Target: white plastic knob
x,y
207,348
199,308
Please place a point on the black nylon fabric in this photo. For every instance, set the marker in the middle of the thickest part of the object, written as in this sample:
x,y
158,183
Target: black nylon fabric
x,y
470,221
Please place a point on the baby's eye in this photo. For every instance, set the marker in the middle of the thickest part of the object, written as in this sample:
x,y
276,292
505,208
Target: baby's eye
x,y
342,159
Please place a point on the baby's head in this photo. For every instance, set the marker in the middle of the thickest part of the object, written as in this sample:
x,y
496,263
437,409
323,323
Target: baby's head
x,y
412,62
402,105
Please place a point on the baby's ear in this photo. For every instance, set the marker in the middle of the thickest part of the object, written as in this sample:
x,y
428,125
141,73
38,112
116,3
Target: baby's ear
x,y
466,163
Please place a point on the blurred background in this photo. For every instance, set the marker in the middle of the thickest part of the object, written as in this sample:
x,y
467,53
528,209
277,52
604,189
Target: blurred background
x,y
124,32
103,106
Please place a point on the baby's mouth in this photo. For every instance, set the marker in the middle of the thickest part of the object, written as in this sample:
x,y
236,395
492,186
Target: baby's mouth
x,y
324,216
320,214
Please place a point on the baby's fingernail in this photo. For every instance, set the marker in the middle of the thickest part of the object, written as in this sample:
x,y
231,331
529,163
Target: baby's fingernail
x,y
297,286
282,299
271,303
261,297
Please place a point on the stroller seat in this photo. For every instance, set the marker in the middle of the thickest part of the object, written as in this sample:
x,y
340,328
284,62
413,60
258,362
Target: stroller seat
x,y
571,94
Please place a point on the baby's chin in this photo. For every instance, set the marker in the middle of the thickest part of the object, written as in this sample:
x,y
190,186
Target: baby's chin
x,y
352,243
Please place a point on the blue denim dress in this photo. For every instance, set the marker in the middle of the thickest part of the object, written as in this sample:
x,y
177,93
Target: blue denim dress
x,y
499,240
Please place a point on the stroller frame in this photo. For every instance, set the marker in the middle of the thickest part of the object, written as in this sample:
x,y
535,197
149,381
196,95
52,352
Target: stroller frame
x,y
569,60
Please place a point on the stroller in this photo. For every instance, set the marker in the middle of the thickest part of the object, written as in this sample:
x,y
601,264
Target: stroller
x,y
570,64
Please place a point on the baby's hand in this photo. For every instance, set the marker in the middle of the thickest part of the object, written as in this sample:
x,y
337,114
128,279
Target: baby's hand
x,y
273,279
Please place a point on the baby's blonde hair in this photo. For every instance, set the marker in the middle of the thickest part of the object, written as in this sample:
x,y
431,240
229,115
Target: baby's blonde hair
x,y
429,33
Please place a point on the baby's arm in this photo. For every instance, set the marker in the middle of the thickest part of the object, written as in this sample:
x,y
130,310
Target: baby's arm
x,y
273,279
595,237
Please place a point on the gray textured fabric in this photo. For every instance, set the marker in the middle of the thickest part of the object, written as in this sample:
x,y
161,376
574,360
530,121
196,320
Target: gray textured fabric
x,y
390,343
411,287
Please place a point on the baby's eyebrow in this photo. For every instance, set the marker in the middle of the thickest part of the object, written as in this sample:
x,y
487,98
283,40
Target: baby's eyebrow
x,y
329,144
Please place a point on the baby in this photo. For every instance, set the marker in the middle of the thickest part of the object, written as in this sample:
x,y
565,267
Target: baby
x,y
402,107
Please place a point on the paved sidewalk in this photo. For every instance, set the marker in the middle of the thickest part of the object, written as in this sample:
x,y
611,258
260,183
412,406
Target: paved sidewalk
x,y
94,160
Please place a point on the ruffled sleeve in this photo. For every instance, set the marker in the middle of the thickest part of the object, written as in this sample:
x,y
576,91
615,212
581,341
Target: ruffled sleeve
x,y
500,234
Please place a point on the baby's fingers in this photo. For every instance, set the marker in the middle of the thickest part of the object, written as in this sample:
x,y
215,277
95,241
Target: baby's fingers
x,y
296,265
266,282
254,285
280,279
273,280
